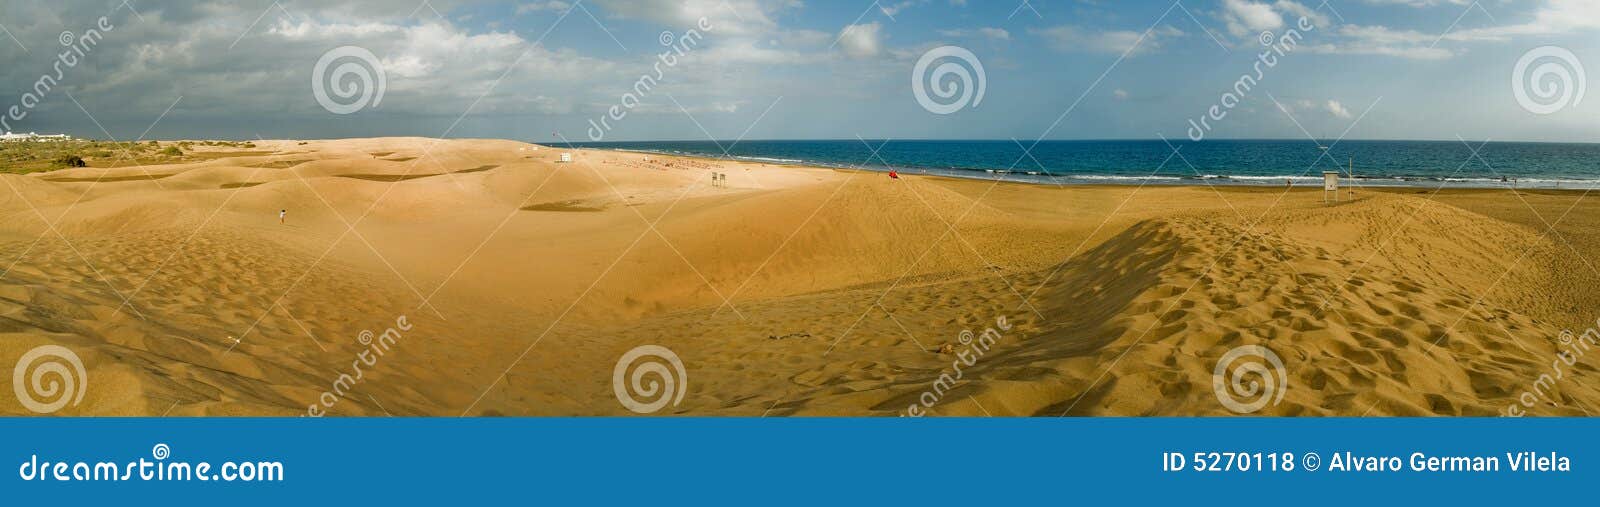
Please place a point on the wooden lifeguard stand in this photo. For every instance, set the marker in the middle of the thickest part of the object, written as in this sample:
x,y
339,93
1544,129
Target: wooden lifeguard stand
x,y
1330,186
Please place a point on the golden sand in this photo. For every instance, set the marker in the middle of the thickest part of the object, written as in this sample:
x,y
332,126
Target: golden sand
x,y
789,291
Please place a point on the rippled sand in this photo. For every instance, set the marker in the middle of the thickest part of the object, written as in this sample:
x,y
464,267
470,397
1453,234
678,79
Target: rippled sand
x,y
788,291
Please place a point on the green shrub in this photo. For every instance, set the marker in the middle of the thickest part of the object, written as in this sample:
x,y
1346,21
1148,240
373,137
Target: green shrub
x,y
71,161
172,151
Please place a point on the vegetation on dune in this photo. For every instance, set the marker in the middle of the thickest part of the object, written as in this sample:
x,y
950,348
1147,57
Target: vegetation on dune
x,y
23,157
71,161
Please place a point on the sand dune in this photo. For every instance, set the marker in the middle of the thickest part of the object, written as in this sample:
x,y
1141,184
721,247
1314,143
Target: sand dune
x,y
791,291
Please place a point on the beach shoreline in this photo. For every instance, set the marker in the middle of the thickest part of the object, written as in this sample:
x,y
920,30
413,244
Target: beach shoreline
x,y
1040,177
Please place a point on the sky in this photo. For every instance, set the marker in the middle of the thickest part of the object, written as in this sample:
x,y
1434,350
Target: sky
x,y
548,70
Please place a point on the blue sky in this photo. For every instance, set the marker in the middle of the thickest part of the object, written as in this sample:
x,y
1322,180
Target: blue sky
x,y
790,69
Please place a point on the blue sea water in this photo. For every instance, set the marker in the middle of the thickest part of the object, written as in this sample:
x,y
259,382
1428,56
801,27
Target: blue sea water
x,y
1258,162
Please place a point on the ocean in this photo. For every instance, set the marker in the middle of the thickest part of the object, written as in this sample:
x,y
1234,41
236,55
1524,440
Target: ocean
x,y
1238,162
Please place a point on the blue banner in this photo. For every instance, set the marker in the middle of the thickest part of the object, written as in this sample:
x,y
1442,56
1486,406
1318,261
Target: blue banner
x,y
701,461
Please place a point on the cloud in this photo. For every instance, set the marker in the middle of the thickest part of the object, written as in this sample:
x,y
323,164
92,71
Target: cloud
x,y
1555,17
1120,94
984,32
1418,3
551,5
1298,10
1337,110
1069,38
1330,107
730,17
1381,41
862,41
890,9
1247,19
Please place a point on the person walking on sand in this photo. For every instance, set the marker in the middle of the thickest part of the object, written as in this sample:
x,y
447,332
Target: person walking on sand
x,y
281,214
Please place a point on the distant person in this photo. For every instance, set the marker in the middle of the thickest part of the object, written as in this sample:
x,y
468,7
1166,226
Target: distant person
x,y
893,174
281,214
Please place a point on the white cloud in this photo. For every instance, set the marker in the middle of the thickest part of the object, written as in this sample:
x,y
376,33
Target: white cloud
x,y
1076,39
890,9
551,5
862,41
1555,17
729,17
1330,107
1120,94
1337,110
984,32
1298,10
1247,19
1417,3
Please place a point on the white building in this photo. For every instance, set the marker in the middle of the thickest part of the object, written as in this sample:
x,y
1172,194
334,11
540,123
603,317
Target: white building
x,y
33,136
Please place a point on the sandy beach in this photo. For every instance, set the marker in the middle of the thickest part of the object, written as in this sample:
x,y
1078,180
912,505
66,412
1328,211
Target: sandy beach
x,y
784,291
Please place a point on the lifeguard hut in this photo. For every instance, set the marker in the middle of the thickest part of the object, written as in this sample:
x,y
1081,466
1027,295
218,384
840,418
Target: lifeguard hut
x,y
1330,186
566,158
